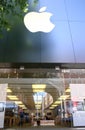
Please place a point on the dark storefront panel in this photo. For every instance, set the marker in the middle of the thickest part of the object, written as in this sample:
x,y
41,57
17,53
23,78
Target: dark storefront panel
x,y
64,44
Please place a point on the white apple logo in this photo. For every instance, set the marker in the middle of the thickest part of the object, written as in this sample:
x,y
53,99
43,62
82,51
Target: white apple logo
x,y
39,21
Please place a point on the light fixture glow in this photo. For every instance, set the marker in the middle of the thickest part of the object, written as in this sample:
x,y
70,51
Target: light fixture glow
x,y
51,107
21,105
37,106
12,97
18,102
38,86
9,90
64,97
39,102
24,107
54,105
57,102
68,90
37,90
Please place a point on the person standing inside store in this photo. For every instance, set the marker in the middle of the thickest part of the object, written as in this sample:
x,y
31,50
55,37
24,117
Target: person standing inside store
x,y
21,115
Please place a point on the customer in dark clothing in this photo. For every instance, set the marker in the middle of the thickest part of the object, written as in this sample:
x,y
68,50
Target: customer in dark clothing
x,y
38,122
21,114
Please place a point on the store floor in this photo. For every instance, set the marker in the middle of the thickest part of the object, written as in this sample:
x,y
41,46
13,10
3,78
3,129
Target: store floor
x,y
45,128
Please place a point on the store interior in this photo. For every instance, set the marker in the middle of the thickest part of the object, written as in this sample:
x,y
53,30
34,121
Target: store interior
x,y
44,94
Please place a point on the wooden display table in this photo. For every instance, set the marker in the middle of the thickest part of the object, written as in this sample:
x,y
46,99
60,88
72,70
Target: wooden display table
x,y
45,123
10,121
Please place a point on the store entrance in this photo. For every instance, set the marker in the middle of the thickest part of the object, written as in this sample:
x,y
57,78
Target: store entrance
x,y
36,104
61,108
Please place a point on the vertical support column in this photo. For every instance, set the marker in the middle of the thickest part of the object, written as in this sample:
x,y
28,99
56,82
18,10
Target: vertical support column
x,y
65,112
84,104
37,107
61,112
3,92
42,106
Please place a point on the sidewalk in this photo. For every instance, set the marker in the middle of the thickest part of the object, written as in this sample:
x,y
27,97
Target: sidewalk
x,y
44,128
